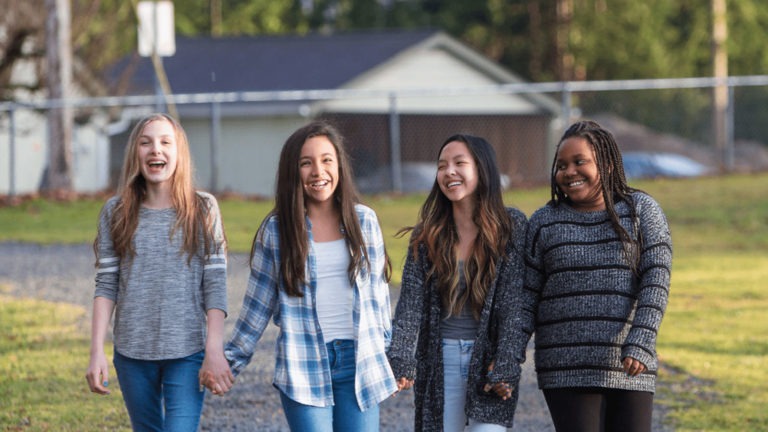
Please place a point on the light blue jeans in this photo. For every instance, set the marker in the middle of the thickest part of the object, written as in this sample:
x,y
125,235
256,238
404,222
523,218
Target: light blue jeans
x,y
456,356
345,414
161,395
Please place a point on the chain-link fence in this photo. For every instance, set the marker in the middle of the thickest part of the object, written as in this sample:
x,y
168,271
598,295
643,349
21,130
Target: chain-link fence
x,y
393,137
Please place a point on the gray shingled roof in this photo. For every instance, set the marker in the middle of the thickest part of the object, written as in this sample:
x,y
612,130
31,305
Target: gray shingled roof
x,y
265,63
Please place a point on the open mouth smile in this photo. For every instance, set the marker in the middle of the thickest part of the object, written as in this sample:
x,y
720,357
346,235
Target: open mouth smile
x,y
319,184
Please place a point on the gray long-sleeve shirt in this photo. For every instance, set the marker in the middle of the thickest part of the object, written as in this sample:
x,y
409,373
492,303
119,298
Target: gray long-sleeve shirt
x,y
586,307
160,299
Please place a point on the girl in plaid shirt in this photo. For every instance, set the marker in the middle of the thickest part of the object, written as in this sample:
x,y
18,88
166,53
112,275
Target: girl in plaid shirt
x,y
326,288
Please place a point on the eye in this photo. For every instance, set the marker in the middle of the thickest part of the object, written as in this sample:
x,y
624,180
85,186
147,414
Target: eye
x,y
303,163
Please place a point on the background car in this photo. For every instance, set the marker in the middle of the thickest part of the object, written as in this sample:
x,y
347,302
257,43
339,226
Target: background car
x,y
638,164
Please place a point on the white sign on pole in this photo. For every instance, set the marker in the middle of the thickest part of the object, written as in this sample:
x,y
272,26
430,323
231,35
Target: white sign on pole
x,y
156,33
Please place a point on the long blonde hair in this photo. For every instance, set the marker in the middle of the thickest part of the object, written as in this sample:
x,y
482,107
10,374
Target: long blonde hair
x,y
192,212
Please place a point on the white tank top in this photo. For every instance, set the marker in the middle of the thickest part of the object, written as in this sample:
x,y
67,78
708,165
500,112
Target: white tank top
x,y
334,292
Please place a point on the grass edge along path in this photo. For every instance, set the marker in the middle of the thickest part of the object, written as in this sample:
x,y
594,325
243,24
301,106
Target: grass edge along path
x,y
44,350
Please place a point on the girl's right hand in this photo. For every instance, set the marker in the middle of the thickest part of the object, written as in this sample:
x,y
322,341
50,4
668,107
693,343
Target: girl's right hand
x,y
98,374
404,384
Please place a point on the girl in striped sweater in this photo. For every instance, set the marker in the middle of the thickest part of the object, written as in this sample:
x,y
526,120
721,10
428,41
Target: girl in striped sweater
x,y
598,261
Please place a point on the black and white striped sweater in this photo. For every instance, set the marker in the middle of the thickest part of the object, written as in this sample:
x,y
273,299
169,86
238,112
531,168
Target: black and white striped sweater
x,y
580,297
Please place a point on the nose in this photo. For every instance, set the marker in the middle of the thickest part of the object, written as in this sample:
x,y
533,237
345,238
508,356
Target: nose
x,y
570,169
155,147
315,171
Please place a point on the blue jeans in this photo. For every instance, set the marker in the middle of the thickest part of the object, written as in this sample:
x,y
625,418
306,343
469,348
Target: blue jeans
x,y
161,395
345,414
457,354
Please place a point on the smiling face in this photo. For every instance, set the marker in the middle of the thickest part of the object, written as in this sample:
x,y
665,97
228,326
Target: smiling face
x,y
158,152
318,169
577,174
457,172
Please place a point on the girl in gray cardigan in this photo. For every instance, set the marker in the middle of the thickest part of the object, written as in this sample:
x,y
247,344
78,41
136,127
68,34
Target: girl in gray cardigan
x,y
598,257
453,322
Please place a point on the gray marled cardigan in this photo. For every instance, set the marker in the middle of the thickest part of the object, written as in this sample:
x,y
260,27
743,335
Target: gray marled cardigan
x,y
587,308
417,324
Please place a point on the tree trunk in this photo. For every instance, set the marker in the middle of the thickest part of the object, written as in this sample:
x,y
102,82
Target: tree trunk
x,y
59,57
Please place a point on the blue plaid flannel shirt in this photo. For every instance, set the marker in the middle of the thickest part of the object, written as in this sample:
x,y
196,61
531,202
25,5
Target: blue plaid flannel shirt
x,y
302,370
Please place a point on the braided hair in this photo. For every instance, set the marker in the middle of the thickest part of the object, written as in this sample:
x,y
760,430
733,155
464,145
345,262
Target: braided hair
x,y
613,182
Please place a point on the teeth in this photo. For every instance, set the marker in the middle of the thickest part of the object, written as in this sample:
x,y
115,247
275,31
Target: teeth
x,y
153,164
452,184
319,184
576,183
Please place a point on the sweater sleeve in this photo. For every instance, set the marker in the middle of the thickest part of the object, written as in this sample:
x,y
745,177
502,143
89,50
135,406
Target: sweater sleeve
x,y
653,288
408,313
215,267
107,261
533,283
506,308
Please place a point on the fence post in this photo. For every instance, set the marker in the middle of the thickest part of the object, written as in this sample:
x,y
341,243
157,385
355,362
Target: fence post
x,y
12,151
394,144
215,140
565,106
730,129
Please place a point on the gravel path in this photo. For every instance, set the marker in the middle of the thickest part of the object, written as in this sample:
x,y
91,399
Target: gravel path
x,y
66,273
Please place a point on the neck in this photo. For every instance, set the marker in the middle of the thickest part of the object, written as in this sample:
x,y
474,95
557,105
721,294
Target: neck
x,y
321,210
462,215
158,197
325,222
466,228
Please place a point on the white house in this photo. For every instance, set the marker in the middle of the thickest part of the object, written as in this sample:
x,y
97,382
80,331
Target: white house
x,y
425,66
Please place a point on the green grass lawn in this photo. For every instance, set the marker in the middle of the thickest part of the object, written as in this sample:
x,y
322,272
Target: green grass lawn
x,y
712,340
43,357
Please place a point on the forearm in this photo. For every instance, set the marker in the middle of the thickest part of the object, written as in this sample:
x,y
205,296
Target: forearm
x,y
214,343
102,314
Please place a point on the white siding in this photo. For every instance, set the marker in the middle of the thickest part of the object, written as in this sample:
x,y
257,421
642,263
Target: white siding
x,y
248,154
437,69
30,153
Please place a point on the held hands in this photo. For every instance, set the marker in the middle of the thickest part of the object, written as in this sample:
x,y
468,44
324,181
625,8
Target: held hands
x,y
403,383
215,374
502,389
98,374
632,367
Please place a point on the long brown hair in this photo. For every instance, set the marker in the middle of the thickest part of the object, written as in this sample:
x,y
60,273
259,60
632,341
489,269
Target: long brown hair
x,y
436,230
192,212
290,209
613,182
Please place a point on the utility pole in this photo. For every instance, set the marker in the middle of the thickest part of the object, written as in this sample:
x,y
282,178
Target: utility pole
x,y
720,91
565,60
58,54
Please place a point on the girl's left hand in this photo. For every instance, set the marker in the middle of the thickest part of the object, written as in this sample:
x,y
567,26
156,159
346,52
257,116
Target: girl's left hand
x,y
502,389
632,367
216,375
